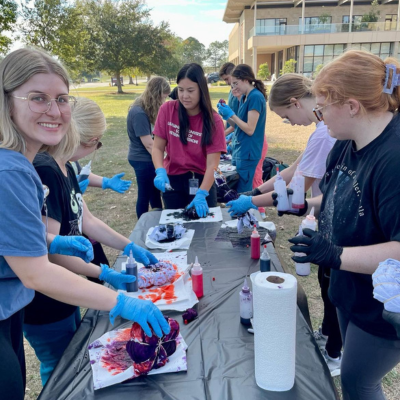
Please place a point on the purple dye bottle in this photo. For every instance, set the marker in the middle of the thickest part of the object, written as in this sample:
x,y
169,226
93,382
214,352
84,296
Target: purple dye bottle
x,y
246,304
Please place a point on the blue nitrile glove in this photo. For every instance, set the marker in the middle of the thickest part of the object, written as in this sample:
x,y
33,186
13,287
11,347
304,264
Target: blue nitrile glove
x,y
200,204
229,149
140,254
240,206
161,179
76,246
228,138
225,111
144,312
114,278
116,183
83,185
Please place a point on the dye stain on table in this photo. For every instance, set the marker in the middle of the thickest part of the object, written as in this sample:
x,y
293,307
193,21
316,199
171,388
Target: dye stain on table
x,y
187,215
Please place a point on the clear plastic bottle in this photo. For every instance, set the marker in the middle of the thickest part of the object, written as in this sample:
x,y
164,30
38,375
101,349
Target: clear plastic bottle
x,y
197,278
309,221
131,269
280,190
255,244
298,190
246,304
265,260
85,172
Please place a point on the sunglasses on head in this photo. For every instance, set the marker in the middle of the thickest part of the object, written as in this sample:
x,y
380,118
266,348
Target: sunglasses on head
x,y
98,145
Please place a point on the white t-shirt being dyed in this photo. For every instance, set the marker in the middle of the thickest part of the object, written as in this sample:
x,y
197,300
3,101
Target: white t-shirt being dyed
x,y
313,162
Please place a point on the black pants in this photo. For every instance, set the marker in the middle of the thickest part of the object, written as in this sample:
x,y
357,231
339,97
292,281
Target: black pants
x,y
12,359
330,323
180,197
366,360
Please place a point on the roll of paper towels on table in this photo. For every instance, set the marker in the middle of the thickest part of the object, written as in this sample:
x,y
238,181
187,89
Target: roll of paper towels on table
x,y
274,322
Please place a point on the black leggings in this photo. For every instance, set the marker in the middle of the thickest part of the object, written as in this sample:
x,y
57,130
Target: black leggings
x,y
180,197
12,360
366,360
330,324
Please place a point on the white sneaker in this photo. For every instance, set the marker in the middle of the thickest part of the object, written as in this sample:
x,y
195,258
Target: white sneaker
x,y
320,339
333,364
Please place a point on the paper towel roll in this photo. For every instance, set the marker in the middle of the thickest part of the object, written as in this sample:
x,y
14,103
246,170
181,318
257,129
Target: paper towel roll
x,y
274,303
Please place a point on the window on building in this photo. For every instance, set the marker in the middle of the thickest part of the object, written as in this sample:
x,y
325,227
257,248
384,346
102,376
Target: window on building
x,y
355,20
293,53
391,22
383,50
320,54
271,26
315,24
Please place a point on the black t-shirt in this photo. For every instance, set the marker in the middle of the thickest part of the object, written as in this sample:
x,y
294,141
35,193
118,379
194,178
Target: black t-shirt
x,y
138,124
64,204
360,207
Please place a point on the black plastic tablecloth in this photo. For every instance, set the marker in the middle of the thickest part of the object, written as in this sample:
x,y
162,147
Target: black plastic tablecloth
x,y
221,351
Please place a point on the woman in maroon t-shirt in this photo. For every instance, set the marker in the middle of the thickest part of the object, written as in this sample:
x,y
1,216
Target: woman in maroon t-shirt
x,y
192,135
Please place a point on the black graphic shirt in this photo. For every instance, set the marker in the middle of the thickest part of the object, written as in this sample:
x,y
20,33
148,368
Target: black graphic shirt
x,y
360,207
64,204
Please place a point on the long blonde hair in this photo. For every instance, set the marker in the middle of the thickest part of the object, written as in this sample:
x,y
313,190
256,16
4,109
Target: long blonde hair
x,y
89,120
359,75
16,69
289,86
150,100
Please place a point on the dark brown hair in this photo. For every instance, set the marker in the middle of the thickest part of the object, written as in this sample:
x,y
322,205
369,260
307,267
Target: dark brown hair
x,y
245,73
226,69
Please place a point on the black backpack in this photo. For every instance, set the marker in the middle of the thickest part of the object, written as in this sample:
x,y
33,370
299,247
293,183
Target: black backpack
x,y
269,167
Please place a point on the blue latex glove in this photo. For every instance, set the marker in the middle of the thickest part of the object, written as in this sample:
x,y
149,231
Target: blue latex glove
x,y
83,185
225,111
144,312
161,179
116,183
240,206
140,254
229,149
76,246
114,278
228,138
200,204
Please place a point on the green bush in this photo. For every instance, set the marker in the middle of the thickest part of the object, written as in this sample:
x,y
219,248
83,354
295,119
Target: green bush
x,y
263,72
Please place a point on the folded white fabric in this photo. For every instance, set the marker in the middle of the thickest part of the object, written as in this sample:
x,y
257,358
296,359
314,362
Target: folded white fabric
x,y
386,282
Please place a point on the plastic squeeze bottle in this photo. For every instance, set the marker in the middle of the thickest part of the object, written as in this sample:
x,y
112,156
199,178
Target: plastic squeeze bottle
x,y
265,260
131,269
255,244
85,172
197,279
302,269
246,304
280,190
309,221
298,190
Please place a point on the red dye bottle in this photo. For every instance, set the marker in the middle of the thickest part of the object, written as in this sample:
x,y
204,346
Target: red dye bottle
x,y
255,244
197,279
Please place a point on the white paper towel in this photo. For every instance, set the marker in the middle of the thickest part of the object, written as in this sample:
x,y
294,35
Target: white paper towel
x,y
274,330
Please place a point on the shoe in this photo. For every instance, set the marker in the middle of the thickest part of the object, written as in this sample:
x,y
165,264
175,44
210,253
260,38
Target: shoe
x,y
320,339
263,215
333,364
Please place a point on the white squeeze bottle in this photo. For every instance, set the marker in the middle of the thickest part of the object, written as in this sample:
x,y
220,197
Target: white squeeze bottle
x,y
298,190
280,190
85,172
309,222
302,269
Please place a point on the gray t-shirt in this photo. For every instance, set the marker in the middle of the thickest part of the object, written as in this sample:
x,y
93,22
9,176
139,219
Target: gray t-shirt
x,y
138,125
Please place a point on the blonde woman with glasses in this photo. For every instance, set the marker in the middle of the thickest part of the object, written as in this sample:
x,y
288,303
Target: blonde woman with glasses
x,y
26,129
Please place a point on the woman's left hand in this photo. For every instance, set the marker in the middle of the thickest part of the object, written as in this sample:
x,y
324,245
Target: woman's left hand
x,y
116,183
225,111
318,250
200,203
114,278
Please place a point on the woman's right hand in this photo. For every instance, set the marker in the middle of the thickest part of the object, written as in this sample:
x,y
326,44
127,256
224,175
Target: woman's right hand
x,y
144,312
240,206
161,179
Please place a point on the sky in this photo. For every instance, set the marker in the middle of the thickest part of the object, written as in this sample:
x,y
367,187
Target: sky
x,y
201,19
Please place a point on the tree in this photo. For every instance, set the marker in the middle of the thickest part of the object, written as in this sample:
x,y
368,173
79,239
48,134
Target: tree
x,y
57,26
217,54
289,67
193,51
318,70
373,14
8,18
263,72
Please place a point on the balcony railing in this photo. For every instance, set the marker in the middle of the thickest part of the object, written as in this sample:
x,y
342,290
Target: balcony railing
x,y
317,29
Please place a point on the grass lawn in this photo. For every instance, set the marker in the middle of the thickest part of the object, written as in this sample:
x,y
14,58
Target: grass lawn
x,y
118,211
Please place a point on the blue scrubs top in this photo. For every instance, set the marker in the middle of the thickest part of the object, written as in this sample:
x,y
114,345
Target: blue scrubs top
x,y
247,147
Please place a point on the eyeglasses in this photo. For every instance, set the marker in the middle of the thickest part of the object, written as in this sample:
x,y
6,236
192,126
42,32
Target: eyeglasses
x,y
234,84
318,111
98,145
41,102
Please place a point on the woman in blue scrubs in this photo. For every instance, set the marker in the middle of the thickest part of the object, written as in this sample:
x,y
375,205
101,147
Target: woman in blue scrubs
x,y
248,140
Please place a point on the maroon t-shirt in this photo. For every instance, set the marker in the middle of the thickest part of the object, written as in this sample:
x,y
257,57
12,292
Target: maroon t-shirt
x,y
183,158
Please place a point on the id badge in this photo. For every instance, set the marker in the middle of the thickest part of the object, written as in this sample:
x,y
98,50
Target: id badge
x,y
193,186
